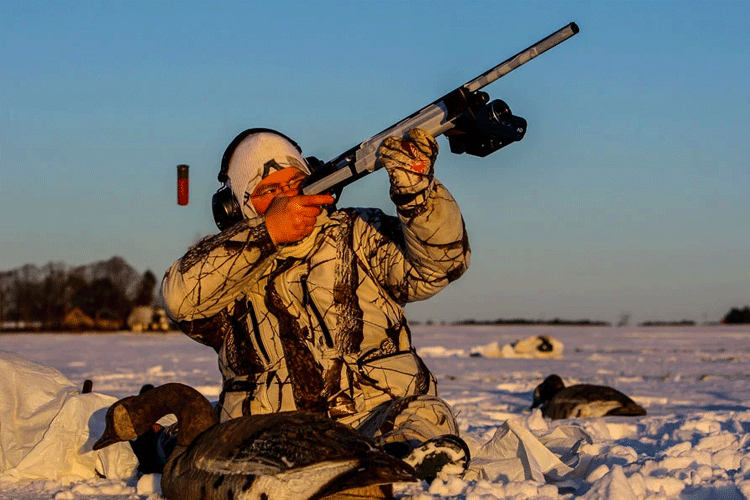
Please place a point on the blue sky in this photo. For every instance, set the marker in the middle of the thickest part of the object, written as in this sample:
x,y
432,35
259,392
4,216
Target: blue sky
x,y
629,194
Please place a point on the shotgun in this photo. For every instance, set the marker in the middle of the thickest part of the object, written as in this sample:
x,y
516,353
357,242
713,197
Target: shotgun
x,y
471,123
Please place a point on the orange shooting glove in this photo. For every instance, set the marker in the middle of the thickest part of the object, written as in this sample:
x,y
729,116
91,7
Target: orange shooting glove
x,y
291,219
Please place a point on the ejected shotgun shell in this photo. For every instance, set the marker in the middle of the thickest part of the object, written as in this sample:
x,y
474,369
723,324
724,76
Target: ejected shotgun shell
x,y
183,184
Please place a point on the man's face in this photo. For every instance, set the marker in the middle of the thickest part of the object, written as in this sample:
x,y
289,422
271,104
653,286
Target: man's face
x,y
286,182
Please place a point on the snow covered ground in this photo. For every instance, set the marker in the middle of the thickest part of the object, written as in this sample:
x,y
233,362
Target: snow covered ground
x,y
694,382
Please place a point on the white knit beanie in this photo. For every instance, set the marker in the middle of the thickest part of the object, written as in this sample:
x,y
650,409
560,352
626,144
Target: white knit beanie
x,y
256,157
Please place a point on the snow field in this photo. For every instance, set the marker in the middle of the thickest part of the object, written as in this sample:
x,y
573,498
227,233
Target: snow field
x,y
693,381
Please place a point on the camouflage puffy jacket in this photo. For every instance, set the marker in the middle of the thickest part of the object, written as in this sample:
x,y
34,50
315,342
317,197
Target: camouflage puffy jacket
x,y
319,325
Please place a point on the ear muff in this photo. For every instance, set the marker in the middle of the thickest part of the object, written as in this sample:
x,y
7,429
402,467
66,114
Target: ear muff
x,y
224,206
227,212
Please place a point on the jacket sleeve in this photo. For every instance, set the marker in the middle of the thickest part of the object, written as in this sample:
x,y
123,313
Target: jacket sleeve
x,y
201,287
419,253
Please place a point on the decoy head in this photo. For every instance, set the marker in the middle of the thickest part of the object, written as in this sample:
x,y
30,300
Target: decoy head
x,y
120,426
546,390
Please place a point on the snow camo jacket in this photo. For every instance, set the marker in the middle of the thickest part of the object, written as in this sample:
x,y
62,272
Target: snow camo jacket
x,y
319,326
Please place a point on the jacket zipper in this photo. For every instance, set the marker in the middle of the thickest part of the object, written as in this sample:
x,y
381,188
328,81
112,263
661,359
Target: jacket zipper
x,y
316,312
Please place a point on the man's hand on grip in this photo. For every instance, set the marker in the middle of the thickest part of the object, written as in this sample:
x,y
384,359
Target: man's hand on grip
x,y
290,219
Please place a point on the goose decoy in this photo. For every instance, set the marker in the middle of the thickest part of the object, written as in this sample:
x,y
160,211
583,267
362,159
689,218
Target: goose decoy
x,y
278,456
582,400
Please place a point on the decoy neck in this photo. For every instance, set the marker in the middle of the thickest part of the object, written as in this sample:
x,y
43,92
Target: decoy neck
x,y
130,417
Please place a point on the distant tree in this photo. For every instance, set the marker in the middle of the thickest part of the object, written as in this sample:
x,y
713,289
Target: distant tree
x,y
624,320
108,296
53,296
75,292
145,295
737,316
26,297
81,295
119,273
98,296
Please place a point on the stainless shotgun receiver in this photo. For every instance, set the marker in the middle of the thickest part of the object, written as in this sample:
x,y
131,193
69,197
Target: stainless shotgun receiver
x,y
472,124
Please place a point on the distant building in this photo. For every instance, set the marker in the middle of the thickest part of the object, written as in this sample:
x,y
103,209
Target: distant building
x,y
148,319
76,319
160,321
140,318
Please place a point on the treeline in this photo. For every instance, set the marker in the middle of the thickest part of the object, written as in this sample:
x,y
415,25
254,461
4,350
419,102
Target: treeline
x,y
33,298
684,322
522,322
733,317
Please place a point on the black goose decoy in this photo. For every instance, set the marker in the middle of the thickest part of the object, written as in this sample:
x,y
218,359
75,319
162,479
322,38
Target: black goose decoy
x,y
279,456
582,400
